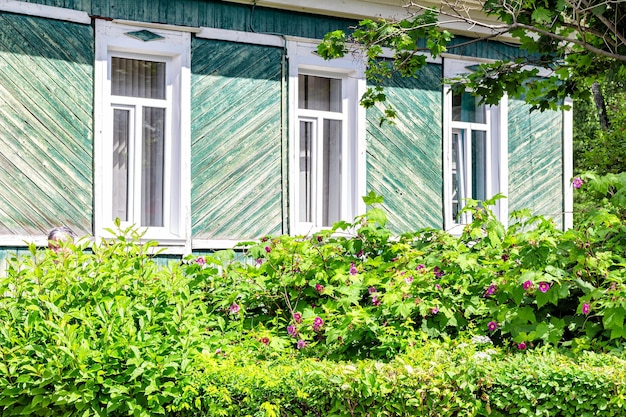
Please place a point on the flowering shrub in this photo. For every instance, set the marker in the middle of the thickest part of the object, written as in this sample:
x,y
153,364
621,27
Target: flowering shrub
x,y
358,291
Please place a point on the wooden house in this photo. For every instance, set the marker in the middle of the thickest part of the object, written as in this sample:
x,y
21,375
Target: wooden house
x,y
210,122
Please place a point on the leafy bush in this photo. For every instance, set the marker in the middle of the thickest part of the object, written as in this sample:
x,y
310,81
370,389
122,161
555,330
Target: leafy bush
x,y
356,291
350,321
104,332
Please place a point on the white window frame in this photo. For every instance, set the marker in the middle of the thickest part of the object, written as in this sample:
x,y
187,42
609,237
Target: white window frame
x,y
303,59
496,127
175,50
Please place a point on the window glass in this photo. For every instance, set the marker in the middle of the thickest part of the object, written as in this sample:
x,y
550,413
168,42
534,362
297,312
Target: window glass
x,y
137,78
152,167
305,170
331,197
465,108
319,93
121,134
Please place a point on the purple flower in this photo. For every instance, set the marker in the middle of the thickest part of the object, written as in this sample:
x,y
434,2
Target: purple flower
x,y
317,324
200,260
420,266
544,287
438,287
353,270
319,287
319,238
265,340
259,261
490,291
527,285
297,317
371,290
577,182
504,257
438,272
268,249
301,344
434,310
586,308
292,331
492,326
234,308
408,279
521,346
375,300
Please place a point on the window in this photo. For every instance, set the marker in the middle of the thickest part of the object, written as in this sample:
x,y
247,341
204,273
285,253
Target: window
x,y
474,149
142,144
326,142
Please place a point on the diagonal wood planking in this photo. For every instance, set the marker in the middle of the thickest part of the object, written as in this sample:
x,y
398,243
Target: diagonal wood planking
x,y
535,161
45,125
404,160
236,140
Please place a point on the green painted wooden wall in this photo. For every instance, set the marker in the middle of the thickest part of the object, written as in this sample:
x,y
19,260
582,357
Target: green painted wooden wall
x,y
236,140
46,162
405,159
536,161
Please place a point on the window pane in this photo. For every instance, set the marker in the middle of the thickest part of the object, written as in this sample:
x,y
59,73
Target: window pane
x,y
121,134
331,173
152,169
319,93
137,78
456,152
305,172
465,108
479,165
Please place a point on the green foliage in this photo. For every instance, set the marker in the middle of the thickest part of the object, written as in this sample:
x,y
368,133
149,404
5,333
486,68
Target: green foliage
x,y
350,321
104,331
576,44
595,149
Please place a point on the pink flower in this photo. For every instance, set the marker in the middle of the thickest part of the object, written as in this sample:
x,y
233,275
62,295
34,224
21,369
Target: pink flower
x,y
353,270
234,308
419,267
375,300
490,291
292,331
200,260
265,340
438,272
527,285
438,287
586,308
408,279
301,344
297,317
492,326
319,287
434,310
268,249
544,287
521,346
317,323
577,182
371,290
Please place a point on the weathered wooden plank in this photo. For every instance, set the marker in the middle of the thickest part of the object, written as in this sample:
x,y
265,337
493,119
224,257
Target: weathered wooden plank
x,y
46,89
404,160
535,161
236,154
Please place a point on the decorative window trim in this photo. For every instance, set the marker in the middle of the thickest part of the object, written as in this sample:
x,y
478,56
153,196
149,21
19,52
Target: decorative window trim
x,y
303,58
498,128
175,47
